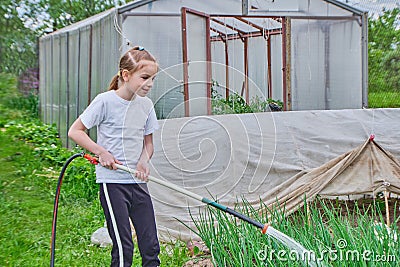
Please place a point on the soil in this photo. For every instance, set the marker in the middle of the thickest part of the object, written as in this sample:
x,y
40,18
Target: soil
x,y
202,262
203,259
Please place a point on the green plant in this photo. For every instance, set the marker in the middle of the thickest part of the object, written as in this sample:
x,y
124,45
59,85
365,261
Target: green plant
x,y
336,236
235,104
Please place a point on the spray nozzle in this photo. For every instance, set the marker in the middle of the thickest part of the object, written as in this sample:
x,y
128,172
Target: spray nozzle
x,y
91,159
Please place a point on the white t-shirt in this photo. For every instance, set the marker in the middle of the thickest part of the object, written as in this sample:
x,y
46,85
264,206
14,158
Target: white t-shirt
x,y
121,127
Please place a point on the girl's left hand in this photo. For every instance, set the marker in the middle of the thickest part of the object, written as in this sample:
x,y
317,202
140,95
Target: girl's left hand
x,y
142,170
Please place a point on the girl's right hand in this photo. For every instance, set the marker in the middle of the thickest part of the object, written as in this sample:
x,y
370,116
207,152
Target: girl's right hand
x,y
108,161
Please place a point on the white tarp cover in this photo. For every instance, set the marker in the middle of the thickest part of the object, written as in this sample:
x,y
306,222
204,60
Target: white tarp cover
x,y
269,156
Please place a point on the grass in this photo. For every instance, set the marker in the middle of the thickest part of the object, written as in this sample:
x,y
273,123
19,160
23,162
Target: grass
x,y
26,215
31,157
384,99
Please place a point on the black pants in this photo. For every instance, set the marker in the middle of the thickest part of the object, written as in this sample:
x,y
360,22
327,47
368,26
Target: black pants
x,y
121,202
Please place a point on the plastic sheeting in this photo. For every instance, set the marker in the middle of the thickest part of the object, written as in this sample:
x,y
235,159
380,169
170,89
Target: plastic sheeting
x,y
262,156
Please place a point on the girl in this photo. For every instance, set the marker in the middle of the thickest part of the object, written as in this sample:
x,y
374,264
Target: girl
x,y
125,120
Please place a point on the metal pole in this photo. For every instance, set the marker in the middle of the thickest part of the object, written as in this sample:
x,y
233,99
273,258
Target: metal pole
x,y
185,63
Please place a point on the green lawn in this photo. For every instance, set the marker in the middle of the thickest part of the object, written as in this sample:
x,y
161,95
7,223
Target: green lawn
x,y
26,215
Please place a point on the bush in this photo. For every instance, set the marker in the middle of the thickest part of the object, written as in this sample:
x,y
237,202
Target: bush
x,y
13,104
19,119
48,147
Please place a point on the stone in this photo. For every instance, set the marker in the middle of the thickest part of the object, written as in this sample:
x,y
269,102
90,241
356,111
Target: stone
x,y
101,237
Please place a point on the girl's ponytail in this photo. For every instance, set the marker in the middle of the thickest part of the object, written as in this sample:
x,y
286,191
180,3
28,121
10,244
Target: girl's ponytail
x,y
114,83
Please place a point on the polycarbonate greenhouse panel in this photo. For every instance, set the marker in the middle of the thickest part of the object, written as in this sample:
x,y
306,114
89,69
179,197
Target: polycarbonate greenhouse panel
x,y
325,70
236,63
218,67
55,85
49,79
307,65
318,7
97,61
297,8
258,68
96,68
279,5
207,6
84,72
110,51
73,77
276,71
63,104
345,75
196,36
161,36
42,81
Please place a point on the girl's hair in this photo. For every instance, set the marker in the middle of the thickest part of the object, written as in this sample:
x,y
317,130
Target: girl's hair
x,y
130,61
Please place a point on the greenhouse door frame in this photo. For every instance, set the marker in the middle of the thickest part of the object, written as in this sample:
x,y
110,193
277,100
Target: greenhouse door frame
x,y
184,12
284,31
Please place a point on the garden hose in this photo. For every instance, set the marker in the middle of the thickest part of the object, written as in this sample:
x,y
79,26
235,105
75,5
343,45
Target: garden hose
x,y
263,227
55,209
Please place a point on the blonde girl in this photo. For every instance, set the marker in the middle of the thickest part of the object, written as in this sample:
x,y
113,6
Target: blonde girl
x,y
125,120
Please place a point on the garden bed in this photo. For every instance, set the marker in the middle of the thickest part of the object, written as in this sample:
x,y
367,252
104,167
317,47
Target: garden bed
x,y
345,227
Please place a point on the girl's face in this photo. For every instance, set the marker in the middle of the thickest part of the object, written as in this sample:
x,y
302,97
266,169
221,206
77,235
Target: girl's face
x,y
141,81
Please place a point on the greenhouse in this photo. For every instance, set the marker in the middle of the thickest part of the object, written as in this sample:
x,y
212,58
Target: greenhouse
x,y
310,55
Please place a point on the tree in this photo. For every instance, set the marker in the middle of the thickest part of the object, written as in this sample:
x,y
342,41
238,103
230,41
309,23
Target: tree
x,y
17,43
384,51
23,22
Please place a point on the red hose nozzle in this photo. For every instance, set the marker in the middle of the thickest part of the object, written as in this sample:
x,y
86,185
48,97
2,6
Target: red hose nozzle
x,y
265,228
91,159
371,137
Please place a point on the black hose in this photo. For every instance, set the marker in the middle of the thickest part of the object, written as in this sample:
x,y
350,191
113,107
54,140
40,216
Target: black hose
x,y
55,209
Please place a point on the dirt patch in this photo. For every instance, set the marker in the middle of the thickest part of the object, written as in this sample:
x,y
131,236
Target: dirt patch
x,y
201,256
199,262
